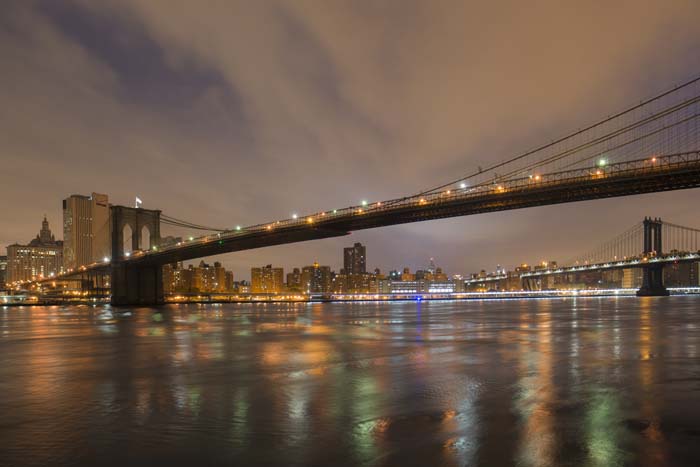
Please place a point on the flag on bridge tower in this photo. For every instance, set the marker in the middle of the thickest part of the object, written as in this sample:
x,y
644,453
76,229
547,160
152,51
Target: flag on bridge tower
x,y
138,202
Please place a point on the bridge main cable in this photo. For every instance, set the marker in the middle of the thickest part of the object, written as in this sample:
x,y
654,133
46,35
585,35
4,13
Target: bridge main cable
x,y
570,136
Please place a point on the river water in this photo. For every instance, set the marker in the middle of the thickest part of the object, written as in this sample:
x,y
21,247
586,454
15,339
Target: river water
x,y
592,381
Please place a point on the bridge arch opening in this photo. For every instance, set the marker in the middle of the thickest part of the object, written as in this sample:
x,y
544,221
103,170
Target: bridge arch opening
x,y
145,238
128,237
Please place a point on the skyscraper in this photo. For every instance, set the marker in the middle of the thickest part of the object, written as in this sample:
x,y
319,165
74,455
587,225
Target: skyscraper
x,y
86,230
354,259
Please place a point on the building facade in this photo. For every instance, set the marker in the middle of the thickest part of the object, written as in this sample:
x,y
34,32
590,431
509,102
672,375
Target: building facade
x,y
86,230
3,271
267,280
355,259
316,279
41,257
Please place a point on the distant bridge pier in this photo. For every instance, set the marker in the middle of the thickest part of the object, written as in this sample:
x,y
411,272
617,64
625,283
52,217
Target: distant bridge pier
x,y
652,274
135,283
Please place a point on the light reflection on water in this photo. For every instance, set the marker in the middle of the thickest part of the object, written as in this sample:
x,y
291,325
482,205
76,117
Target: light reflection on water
x,y
593,381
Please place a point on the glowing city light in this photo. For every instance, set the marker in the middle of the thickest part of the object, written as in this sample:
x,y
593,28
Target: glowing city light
x,y
294,216
105,259
127,254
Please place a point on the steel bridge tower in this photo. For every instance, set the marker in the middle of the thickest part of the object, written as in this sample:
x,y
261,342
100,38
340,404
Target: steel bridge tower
x,y
652,274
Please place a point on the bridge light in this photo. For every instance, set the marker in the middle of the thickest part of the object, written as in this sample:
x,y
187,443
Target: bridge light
x,y
653,159
602,162
294,216
335,211
537,177
127,254
364,202
105,259
463,185
238,227
310,220
191,238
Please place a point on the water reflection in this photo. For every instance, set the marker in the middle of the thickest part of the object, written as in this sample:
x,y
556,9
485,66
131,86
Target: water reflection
x,y
594,382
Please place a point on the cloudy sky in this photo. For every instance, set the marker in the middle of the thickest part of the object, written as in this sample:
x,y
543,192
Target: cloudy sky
x,y
225,112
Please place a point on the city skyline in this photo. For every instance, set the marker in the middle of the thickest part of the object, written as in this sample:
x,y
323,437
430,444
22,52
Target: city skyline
x,y
221,137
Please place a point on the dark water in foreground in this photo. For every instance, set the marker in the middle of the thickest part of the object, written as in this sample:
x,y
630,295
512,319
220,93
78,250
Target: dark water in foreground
x,y
599,382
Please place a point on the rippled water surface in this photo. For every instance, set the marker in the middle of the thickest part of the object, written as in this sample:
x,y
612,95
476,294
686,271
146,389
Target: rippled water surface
x,y
597,381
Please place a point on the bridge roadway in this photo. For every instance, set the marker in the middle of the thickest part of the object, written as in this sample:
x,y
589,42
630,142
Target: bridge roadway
x,y
608,265
653,174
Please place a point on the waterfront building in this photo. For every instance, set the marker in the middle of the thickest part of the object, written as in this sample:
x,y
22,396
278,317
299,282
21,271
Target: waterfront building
x,y
86,230
294,280
632,278
316,279
229,282
355,259
406,275
267,280
681,275
197,279
41,257
407,287
3,271
354,283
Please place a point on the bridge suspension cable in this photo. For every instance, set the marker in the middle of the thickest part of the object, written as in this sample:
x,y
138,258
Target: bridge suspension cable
x,y
169,220
628,244
679,238
663,123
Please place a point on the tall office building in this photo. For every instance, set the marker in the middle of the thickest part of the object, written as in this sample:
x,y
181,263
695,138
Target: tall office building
x,y
41,257
86,230
354,259
266,279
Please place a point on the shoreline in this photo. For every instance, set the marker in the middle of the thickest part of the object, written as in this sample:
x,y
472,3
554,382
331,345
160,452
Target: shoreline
x,y
466,296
